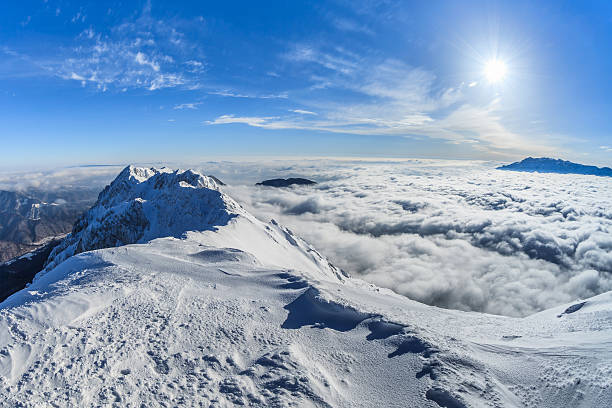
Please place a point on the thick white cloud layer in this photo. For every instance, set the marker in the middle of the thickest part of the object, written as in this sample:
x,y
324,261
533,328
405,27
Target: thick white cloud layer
x,y
66,178
448,233
453,234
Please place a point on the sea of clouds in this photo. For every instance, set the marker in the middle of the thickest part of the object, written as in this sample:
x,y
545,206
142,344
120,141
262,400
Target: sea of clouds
x,y
454,234
64,178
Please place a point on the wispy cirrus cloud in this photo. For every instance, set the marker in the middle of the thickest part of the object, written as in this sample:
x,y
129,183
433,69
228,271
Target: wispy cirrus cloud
x,y
194,66
389,97
350,25
142,52
245,95
271,122
339,59
191,105
142,59
302,112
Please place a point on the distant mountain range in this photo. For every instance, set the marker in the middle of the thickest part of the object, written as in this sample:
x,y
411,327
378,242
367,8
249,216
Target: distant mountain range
x,y
548,165
28,220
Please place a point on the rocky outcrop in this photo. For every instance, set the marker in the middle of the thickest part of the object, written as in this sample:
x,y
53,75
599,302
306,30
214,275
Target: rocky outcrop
x,y
286,182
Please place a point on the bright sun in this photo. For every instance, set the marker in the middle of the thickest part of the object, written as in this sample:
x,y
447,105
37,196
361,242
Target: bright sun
x,y
495,70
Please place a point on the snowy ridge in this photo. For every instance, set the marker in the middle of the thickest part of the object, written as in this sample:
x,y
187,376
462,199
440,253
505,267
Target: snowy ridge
x,y
240,312
143,204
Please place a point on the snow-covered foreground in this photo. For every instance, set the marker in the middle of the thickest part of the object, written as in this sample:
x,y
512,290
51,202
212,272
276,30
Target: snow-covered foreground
x,y
240,312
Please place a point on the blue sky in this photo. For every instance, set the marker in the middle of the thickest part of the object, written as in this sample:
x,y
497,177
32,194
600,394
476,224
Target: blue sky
x,y
86,82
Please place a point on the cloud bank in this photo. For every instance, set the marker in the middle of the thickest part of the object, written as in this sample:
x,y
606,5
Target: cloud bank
x,y
66,178
452,234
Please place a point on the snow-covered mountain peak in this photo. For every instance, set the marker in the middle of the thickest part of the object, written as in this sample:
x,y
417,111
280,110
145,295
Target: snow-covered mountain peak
x,y
143,204
147,203
140,181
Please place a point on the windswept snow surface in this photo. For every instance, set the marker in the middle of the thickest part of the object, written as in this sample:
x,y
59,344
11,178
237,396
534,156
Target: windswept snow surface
x,y
239,312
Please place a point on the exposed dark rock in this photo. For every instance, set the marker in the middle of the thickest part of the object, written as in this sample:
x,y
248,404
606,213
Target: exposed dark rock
x,y
17,273
573,308
219,182
286,182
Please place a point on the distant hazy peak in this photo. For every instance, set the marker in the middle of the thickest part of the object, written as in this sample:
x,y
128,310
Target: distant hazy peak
x,y
549,165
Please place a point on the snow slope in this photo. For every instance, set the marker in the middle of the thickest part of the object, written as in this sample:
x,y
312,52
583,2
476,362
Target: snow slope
x,y
234,311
